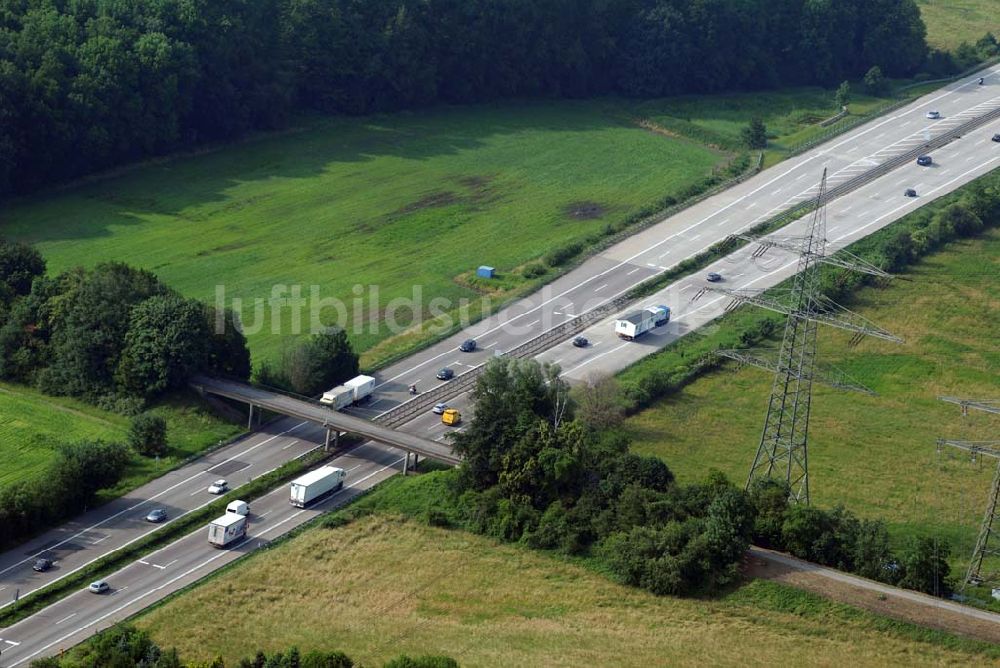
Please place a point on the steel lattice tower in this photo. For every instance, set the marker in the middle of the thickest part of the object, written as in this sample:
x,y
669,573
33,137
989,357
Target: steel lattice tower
x,y
988,540
783,448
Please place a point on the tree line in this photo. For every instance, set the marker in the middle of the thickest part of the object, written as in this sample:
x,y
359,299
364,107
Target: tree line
x,y
124,646
88,85
113,335
552,470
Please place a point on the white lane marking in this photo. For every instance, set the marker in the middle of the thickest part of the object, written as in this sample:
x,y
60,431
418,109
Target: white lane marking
x,y
633,271
99,540
11,642
67,617
188,572
133,507
597,289
198,491
792,167
492,345
594,358
533,322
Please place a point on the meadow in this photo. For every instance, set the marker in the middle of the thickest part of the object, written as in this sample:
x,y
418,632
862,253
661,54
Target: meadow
x,y
876,455
415,198
382,585
33,424
951,22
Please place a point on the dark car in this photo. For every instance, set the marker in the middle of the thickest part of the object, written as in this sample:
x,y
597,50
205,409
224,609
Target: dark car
x,y
714,277
924,160
910,192
445,374
468,346
996,137
156,516
581,342
41,565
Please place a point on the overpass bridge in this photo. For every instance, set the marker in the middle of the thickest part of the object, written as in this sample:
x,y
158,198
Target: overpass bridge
x,y
334,421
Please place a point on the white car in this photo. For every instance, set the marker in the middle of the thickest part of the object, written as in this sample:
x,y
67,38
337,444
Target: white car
x,y
439,409
218,487
933,115
99,587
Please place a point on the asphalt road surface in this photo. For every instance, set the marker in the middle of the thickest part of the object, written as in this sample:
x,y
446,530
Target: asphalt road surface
x,y
612,272
653,251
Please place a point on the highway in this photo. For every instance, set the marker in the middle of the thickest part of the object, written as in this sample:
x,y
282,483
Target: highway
x,y
614,271
654,250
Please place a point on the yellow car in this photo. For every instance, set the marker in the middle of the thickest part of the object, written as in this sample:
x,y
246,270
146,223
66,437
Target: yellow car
x,y
451,417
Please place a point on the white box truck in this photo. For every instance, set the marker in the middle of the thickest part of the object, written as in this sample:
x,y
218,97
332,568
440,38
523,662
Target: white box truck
x,y
636,324
227,529
338,397
311,486
361,386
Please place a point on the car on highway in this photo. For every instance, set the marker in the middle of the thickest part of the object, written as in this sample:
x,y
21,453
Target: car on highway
x,y
41,565
933,115
924,160
445,374
996,137
156,516
713,277
439,409
99,586
581,342
218,487
910,192
468,346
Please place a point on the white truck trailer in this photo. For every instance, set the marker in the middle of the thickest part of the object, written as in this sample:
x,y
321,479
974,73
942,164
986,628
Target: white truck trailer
x,y
636,324
227,529
361,386
355,390
311,486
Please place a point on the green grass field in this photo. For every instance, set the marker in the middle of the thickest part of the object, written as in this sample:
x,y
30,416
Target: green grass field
x,y
875,455
416,198
382,585
419,198
951,22
32,424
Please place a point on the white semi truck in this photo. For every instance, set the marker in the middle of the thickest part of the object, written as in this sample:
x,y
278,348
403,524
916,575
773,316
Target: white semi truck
x,y
636,324
311,486
355,390
227,529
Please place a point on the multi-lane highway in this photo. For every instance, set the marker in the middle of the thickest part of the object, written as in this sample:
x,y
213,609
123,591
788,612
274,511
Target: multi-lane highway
x,y
653,251
593,282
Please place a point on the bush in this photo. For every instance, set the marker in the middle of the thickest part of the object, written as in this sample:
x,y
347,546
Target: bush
x,y
534,270
560,256
147,435
404,661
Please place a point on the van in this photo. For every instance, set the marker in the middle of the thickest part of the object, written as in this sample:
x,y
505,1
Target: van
x,y
238,508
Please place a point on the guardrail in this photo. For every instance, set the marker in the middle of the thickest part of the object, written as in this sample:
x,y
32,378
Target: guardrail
x,y
546,340
463,382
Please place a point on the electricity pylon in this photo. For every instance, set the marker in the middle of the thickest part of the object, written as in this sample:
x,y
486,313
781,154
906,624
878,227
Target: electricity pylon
x,y
987,541
783,444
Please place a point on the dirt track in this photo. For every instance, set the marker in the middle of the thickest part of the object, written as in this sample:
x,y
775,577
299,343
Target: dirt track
x,y
874,596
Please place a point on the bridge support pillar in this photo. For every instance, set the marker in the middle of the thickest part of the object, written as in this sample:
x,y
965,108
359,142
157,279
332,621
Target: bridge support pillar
x,y
250,419
416,460
406,463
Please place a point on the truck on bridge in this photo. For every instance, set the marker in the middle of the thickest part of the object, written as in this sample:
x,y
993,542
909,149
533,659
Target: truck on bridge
x,y
636,324
355,390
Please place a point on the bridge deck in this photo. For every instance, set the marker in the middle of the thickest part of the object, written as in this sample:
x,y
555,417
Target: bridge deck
x,y
305,410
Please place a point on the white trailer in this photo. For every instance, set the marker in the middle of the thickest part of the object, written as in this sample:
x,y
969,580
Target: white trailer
x,y
311,486
338,397
361,386
636,324
227,529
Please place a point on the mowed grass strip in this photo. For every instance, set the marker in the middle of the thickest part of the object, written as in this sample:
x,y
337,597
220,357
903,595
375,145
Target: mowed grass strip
x,y
33,424
875,455
395,201
381,586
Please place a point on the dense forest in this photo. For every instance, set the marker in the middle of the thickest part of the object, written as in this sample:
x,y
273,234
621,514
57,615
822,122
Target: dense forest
x,y
89,84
